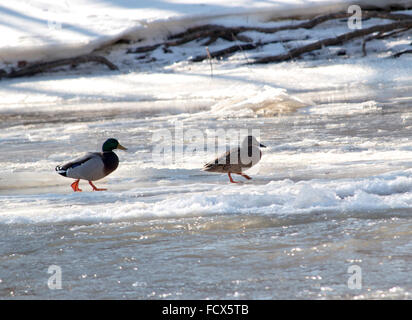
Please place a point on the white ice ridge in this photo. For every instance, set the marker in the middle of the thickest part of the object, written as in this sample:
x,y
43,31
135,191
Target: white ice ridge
x,y
375,195
44,30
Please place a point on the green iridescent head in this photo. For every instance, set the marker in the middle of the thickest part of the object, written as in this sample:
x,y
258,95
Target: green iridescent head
x,y
111,144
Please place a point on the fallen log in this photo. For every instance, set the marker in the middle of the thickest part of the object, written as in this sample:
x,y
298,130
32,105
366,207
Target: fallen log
x,y
240,47
227,51
46,66
398,54
380,35
212,32
296,52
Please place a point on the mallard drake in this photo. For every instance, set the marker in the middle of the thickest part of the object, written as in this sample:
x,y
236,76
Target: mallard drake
x,y
93,165
231,161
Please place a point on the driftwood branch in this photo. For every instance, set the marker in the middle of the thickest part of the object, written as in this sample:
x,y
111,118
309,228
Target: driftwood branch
x,y
239,47
294,53
144,49
46,66
210,33
397,55
380,36
207,30
227,51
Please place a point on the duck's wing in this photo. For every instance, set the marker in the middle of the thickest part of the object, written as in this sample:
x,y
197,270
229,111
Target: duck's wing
x,y
89,167
227,161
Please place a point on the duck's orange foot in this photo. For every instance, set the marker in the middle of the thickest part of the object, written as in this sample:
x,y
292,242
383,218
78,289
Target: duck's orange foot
x,y
75,186
245,176
95,188
231,179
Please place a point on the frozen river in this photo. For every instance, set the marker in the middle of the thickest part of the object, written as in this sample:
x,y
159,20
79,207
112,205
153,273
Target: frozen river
x,y
333,190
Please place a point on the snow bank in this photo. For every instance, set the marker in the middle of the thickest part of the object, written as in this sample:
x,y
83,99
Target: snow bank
x,y
45,30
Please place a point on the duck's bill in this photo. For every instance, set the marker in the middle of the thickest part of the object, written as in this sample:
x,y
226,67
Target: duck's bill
x,y
263,146
121,147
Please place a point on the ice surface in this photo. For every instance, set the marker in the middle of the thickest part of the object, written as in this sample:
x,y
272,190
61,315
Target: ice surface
x,y
333,187
377,194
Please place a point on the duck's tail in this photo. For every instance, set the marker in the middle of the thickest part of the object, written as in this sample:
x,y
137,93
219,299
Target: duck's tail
x,y
208,166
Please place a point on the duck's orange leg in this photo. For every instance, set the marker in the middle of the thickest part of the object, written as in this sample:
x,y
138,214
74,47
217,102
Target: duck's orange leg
x,y
75,186
245,176
95,188
230,178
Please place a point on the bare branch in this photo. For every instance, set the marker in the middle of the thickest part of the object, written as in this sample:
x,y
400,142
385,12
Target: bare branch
x,y
381,35
397,55
45,66
212,32
294,53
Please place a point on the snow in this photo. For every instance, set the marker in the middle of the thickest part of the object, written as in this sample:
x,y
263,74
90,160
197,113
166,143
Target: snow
x,y
43,30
